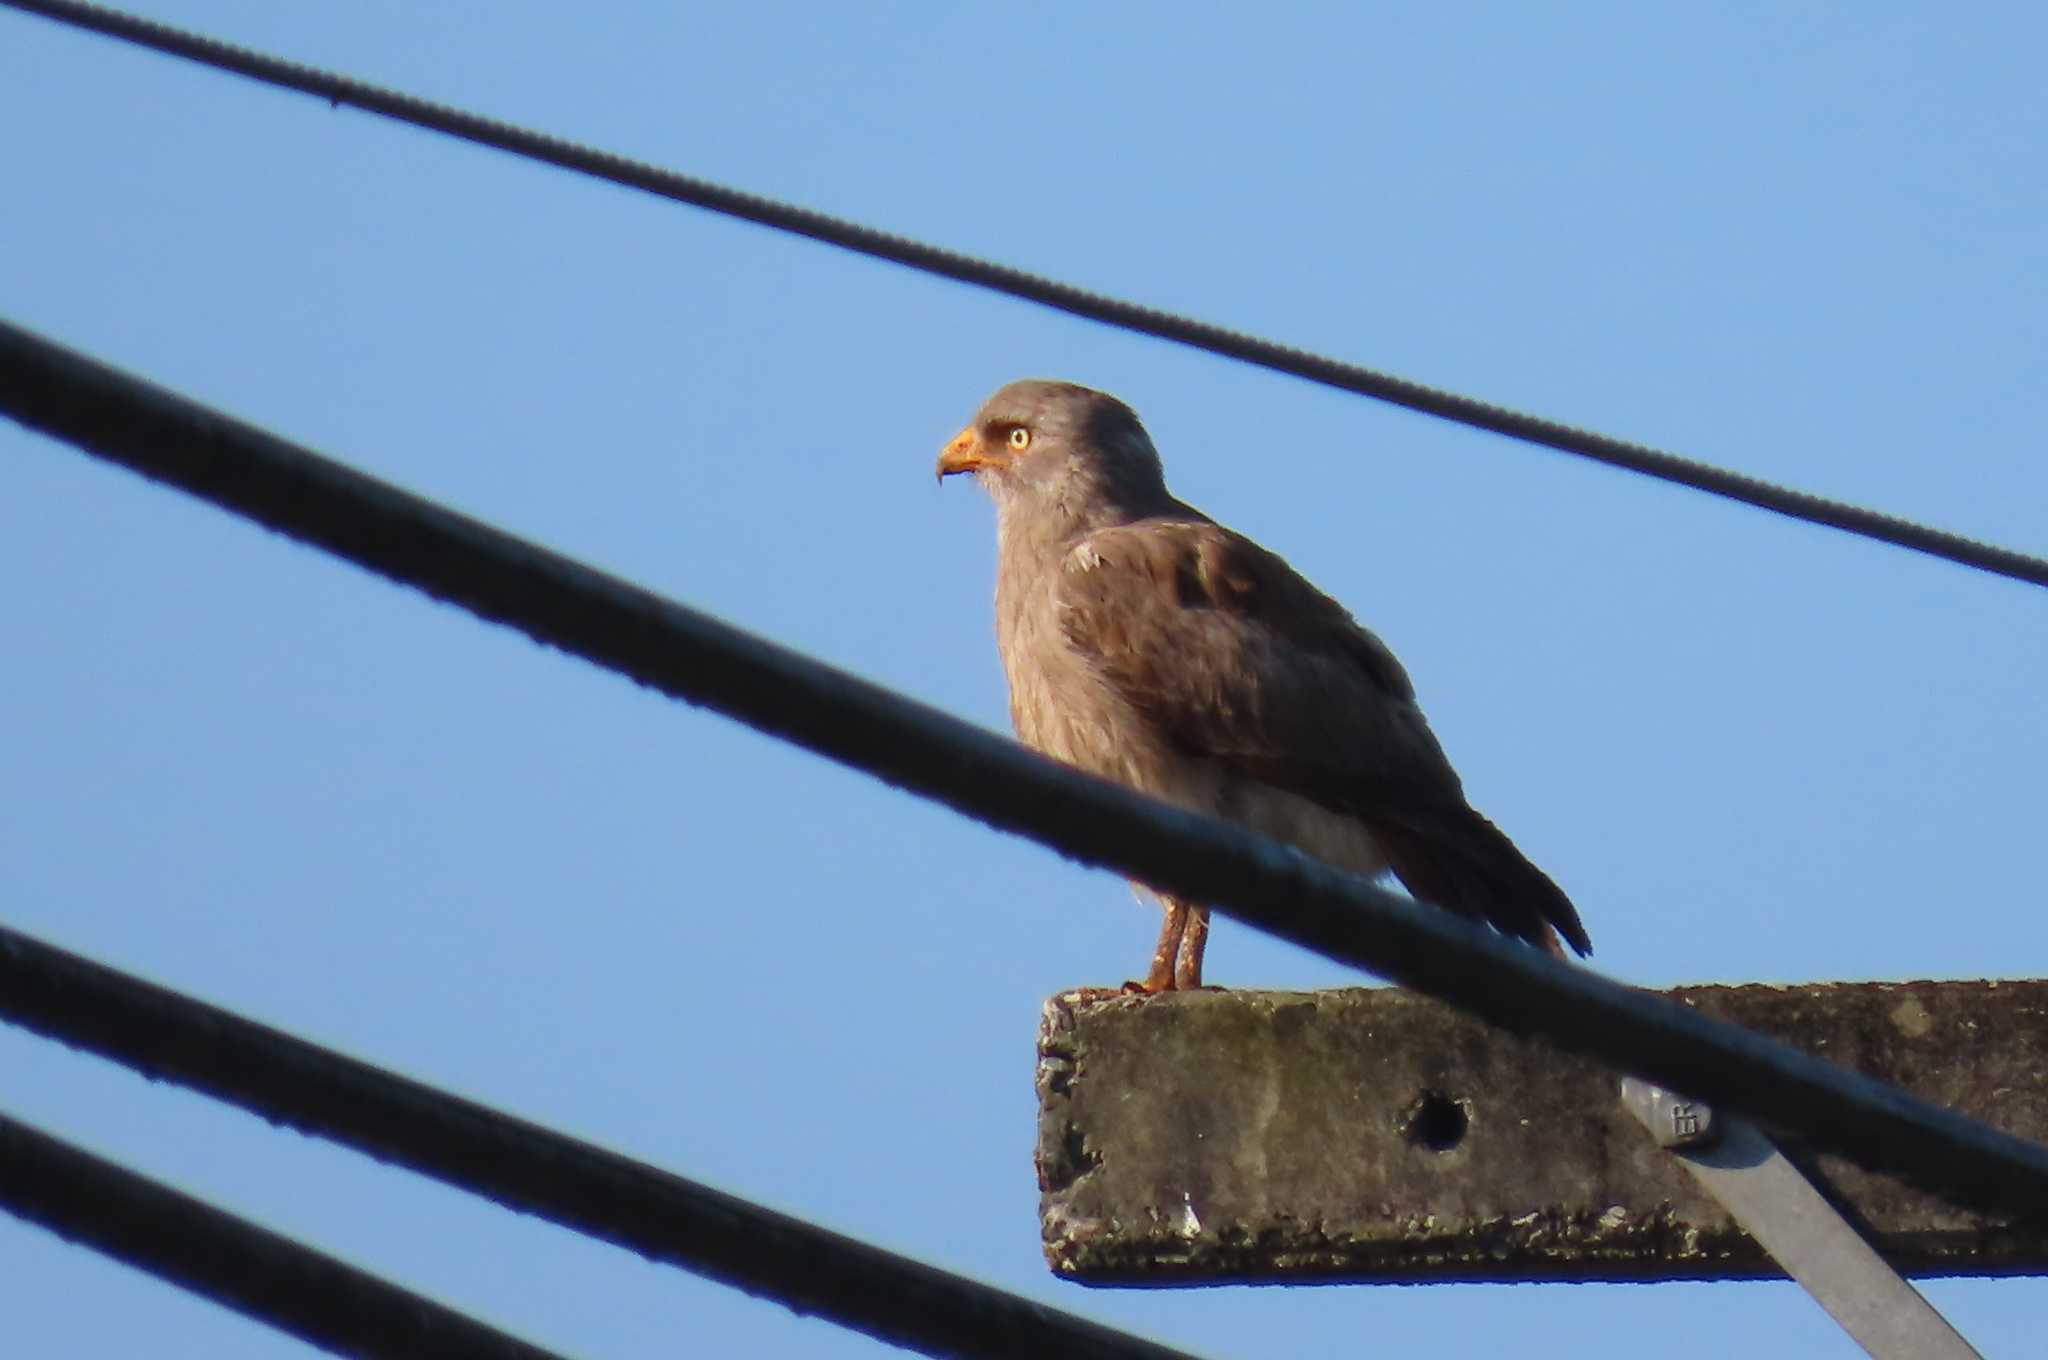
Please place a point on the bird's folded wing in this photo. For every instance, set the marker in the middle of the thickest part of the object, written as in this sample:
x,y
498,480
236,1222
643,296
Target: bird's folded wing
x,y
1236,657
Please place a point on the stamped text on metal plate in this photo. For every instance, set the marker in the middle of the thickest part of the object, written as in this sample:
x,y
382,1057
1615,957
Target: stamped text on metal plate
x,y
1675,1121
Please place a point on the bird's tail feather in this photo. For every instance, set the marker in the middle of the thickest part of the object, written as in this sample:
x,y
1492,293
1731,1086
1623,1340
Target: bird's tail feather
x,y
1461,861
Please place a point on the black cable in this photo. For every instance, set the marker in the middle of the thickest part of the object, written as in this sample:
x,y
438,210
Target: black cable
x,y
1640,458
522,1166
694,657
252,1270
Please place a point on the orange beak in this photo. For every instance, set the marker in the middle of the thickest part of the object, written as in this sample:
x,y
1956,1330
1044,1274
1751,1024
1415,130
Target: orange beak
x,y
965,452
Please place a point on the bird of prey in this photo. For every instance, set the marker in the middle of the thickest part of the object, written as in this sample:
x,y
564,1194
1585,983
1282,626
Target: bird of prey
x,y
1148,644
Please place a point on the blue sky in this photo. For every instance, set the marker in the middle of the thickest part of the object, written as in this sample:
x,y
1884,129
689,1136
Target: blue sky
x,y
1804,244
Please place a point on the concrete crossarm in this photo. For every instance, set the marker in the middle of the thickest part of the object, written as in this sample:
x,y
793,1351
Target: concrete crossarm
x,y
1372,1134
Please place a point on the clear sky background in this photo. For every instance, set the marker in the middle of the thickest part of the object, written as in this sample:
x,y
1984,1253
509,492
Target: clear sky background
x,y
1808,244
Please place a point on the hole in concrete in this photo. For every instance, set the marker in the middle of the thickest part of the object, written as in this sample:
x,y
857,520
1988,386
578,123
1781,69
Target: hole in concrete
x,y
1060,1166
1436,1122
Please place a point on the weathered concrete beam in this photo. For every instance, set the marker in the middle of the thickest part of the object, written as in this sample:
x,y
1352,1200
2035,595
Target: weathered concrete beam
x,y
1372,1134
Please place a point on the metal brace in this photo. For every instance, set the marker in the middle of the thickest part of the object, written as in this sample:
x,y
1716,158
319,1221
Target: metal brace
x,y
1779,1207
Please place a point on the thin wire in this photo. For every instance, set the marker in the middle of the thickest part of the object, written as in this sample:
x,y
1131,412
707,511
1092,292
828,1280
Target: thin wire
x,y
695,657
525,1167
852,236
237,1264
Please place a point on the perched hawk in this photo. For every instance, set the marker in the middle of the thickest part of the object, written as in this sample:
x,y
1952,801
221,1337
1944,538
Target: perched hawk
x,y
1148,644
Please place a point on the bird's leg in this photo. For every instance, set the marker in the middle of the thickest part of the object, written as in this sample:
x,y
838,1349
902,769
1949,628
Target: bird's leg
x,y
1160,978
1187,962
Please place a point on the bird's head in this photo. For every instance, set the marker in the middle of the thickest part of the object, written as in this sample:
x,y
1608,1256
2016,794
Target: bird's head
x,y
1048,446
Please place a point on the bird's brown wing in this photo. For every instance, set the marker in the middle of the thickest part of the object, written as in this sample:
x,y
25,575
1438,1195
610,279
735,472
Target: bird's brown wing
x,y
1235,657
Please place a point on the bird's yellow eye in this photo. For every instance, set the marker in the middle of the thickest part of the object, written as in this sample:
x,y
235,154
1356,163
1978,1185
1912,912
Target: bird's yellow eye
x,y
1020,438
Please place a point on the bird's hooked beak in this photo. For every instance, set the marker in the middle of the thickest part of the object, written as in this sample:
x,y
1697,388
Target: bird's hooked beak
x,y
966,452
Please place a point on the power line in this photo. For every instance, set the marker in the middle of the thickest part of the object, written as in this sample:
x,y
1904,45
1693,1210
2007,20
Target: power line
x,y
692,656
252,1270
526,1167
864,240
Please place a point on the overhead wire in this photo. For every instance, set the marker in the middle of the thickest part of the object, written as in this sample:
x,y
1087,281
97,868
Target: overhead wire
x,y
523,1166
703,660
1017,283
258,1273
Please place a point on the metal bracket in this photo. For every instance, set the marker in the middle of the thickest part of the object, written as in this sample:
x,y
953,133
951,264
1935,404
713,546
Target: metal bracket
x,y
1779,1207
